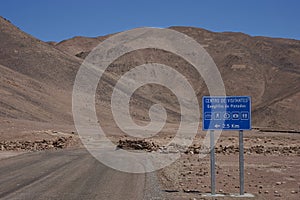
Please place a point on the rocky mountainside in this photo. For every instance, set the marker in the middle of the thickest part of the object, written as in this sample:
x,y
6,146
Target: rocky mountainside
x,y
268,69
37,77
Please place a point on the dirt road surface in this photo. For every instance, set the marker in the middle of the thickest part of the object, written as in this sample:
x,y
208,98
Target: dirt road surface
x,y
70,174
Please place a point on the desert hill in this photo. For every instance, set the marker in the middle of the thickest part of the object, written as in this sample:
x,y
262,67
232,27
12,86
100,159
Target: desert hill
x,y
268,69
37,77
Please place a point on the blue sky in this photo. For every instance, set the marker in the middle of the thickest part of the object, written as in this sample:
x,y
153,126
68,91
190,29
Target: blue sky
x,y
55,20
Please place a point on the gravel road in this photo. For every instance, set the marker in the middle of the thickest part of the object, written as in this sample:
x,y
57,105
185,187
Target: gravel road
x,y
71,174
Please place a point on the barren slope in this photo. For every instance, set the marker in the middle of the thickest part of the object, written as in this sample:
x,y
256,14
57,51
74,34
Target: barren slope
x,y
268,69
35,80
37,77
29,56
78,45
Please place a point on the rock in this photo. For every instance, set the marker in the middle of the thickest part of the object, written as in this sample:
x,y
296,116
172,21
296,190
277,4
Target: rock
x,y
293,192
196,151
34,148
140,145
266,192
62,139
190,191
278,183
171,190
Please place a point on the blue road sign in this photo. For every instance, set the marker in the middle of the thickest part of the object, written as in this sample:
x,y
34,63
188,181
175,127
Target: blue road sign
x,y
226,113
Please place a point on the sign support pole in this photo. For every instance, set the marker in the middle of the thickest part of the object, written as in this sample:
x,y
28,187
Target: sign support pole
x,y
241,161
212,163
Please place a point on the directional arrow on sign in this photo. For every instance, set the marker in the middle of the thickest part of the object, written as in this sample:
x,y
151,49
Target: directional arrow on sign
x,y
217,125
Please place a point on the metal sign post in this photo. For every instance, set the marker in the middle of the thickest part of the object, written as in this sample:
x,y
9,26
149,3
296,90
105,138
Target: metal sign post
x,y
212,163
241,161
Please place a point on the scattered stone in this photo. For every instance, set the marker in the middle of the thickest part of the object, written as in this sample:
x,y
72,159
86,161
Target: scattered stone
x,y
171,190
190,191
37,145
137,145
258,149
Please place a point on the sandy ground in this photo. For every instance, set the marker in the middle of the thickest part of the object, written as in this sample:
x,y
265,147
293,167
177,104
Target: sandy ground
x,y
271,175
